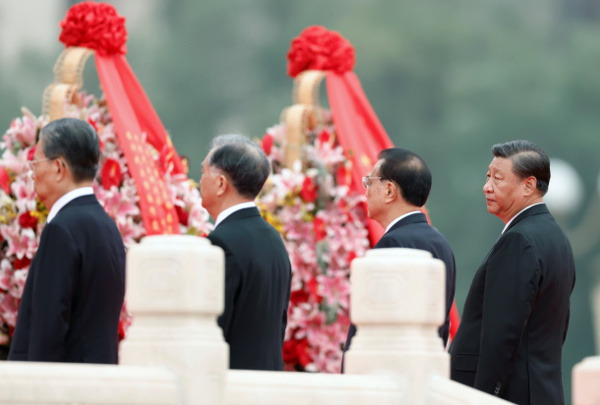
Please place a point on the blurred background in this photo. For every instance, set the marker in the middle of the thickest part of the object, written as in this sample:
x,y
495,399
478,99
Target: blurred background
x,y
447,79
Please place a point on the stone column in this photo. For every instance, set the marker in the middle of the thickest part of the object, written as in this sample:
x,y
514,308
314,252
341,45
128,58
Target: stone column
x,y
586,376
175,288
397,304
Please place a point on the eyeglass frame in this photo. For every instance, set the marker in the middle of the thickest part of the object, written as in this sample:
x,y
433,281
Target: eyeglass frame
x,y
33,163
366,180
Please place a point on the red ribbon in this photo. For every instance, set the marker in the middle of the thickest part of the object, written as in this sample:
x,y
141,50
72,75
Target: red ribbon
x,y
98,26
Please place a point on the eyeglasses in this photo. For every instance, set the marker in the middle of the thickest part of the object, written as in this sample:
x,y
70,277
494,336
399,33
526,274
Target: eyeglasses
x,y
366,181
34,162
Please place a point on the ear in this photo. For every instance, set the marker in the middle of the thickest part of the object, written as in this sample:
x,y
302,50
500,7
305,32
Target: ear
x,y
61,169
529,185
390,192
222,184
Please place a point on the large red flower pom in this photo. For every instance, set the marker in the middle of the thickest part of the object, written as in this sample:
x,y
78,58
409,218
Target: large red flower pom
x,y
111,174
96,26
320,49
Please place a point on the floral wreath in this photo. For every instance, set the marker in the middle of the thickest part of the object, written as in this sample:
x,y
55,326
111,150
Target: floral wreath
x,y
23,216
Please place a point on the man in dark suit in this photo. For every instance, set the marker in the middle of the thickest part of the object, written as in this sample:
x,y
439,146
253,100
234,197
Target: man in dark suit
x,y
257,265
74,291
516,314
397,190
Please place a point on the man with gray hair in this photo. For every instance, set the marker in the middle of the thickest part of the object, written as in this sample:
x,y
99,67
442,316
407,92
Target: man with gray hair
x,y
74,291
257,265
516,314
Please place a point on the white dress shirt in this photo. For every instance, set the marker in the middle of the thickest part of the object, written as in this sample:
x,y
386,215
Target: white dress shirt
x,y
227,212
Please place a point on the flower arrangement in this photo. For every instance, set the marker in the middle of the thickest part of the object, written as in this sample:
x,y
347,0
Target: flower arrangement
x,y
323,225
22,216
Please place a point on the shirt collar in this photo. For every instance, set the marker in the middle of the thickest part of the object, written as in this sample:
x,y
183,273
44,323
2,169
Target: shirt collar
x,y
518,213
67,198
400,218
227,212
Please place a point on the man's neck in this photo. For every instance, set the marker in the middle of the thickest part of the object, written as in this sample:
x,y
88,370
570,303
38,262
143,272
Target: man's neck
x,y
527,203
228,203
234,208
394,213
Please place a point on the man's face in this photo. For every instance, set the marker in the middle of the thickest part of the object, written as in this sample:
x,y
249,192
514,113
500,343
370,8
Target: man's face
x,y
375,193
41,172
503,190
209,186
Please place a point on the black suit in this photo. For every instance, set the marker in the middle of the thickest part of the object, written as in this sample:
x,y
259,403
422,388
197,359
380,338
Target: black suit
x,y
257,290
516,314
74,291
414,232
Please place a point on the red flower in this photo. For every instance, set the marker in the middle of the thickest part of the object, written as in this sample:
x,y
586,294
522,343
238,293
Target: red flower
x,y
302,351
318,48
26,220
323,137
111,174
351,256
343,175
183,215
298,296
96,26
4,180
267,143
313,288
296,351
289,351
21,263
31,153
309,190
319,228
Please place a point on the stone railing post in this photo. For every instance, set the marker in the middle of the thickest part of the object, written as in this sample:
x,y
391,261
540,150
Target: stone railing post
x,y
586,376
397,304
175,287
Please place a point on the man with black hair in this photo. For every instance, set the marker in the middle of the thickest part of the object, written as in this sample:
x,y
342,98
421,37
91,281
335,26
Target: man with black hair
x,y
257,265
516,314
397,189
75,287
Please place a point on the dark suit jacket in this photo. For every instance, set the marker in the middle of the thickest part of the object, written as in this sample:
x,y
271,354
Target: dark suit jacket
x,y
414,232
74,291
257,290
516,314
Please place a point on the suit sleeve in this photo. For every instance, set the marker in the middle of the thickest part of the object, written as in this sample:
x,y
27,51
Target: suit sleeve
x,y
512,278
286,305
53,292
233,279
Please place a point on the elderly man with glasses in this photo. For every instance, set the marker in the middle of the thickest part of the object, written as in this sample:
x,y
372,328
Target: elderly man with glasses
x,y
75,287
397,189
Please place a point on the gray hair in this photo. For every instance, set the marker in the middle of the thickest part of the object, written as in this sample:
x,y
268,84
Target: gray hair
x,y
76,142
243,161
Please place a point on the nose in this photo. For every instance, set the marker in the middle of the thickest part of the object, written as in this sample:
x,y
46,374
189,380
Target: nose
x,y
487,186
